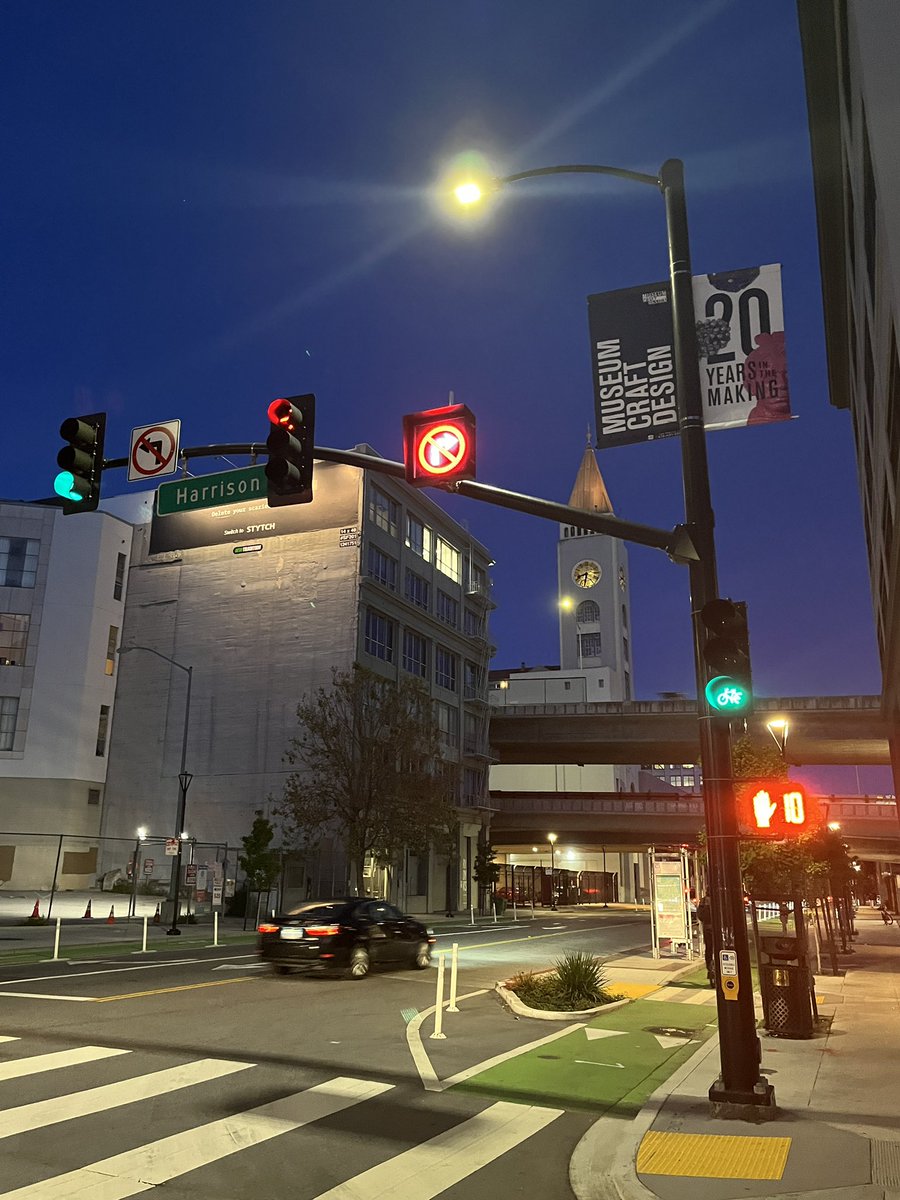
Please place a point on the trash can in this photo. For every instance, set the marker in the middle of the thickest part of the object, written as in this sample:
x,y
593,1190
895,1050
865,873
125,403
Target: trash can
x,y
786,986
500,905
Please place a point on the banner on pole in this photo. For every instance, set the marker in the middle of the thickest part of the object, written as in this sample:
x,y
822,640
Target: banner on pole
x,y
739,318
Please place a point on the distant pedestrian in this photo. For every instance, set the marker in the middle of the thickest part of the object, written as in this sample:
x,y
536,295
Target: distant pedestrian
x,y
704,916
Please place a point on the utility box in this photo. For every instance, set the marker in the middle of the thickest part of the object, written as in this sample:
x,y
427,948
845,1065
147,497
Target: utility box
x,y
786,984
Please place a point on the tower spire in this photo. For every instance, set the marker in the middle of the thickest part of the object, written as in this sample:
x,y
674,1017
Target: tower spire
x,y
590,491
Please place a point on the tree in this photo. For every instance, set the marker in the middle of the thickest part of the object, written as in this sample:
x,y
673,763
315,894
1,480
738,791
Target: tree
x,y
753,758
370,768
485,870
260,864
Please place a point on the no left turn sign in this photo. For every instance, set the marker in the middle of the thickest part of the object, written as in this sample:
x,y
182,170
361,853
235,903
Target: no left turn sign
x,y
154,450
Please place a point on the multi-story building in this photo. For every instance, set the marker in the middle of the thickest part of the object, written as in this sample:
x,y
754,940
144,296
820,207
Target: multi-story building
x,y
853,94
262,605
62,604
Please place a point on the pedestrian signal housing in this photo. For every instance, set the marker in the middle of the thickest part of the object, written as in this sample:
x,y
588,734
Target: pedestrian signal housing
x,y
290,443
775,808
81,462
439,445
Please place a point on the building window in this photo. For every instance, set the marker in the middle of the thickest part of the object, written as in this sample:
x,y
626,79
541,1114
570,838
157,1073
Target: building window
x,y
111,643
119,585
379,641
13,637
415,653
587,612
445,668
93,795
418,537
473,785
383,511
589,645
473,681
447,609
102,730
416,589
472,742
9,711
478,584
18,561
448,724
382,567
447,558
472,623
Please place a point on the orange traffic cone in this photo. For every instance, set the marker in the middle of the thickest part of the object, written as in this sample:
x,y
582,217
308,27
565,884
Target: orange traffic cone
x,y
111,919
156,916
36,911
87,912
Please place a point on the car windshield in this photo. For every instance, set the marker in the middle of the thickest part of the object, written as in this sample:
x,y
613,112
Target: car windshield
x,y
334,910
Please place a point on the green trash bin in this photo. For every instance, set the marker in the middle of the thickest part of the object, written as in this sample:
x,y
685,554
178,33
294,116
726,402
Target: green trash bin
x,y
785,982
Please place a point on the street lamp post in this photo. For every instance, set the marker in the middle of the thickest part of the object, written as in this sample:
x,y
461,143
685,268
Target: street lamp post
x,y
141,834
740,1084
184,782
551,838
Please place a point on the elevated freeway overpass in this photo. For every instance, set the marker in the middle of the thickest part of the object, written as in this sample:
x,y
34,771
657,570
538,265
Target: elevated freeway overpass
x,y
833,730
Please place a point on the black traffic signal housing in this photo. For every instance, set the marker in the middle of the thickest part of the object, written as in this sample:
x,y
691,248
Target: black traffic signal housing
x,y
290,443
439,445
81,462
726,657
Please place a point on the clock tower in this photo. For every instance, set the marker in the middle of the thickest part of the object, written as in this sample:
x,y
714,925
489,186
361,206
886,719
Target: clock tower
x,y
594,614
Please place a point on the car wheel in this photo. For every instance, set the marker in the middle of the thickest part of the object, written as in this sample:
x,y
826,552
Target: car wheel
x,y
423,956
359,963
280,969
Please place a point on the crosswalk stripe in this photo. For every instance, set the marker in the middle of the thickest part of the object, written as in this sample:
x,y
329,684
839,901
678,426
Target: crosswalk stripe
x,y
666,993
425,1171
28,1117
17,1068
159,1162
5,1037
701,998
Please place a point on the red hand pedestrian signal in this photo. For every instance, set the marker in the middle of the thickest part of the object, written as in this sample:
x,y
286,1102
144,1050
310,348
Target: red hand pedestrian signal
x,y
775,808
439,445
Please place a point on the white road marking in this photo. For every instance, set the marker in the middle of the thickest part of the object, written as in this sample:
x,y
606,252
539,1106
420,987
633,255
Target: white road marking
x,y
159,1162
46,996
666,1041
702,998
254,966
5,1037
593,1034
112,971
589,1062
425,1171
427,1073
666,993
17,1068
42,1113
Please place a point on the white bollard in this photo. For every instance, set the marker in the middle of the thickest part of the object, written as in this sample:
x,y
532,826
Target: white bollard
x,y
439,1003
144,938
56,940
216,928
454,953
532,908
494,911
472,912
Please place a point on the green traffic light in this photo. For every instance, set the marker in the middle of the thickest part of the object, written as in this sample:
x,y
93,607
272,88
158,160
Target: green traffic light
x,y
64,485
725,695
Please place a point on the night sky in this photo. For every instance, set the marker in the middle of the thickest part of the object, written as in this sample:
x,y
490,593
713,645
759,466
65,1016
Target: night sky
x,y
210,204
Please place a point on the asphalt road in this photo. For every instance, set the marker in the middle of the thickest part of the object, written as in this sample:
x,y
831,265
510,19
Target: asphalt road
x,y
202,1070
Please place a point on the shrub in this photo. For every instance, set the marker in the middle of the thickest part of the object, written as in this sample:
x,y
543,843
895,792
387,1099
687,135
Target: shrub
x,y
577,982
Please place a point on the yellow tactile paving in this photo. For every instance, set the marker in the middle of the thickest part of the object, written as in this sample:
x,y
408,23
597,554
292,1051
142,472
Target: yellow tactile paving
x,y
633,991
712,1155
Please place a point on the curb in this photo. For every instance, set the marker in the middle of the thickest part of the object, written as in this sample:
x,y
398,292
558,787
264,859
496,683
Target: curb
x,y
517,1006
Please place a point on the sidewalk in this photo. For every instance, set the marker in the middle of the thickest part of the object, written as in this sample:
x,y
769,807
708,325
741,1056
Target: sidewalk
x,y
837,1135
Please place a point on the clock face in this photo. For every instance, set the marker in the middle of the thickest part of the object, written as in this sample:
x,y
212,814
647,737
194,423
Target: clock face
x,y
585,574
622,578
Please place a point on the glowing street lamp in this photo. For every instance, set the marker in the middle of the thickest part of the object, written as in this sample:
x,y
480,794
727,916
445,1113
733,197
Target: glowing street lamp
x,y
779,728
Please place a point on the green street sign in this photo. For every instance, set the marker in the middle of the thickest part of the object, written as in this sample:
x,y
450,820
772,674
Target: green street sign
x,y
726,695
211,491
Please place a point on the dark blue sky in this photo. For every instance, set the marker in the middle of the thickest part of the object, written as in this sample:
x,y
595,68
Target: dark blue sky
x,y
208,204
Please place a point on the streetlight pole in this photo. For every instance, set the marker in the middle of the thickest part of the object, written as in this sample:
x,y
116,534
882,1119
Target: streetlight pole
x,y
184,782
551,838
141,834
740,1085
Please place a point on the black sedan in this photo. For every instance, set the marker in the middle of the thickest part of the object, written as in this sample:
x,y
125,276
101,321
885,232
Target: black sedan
x,y
346,935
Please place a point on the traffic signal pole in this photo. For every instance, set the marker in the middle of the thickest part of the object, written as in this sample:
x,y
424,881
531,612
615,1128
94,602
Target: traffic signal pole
x,y
740,1087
